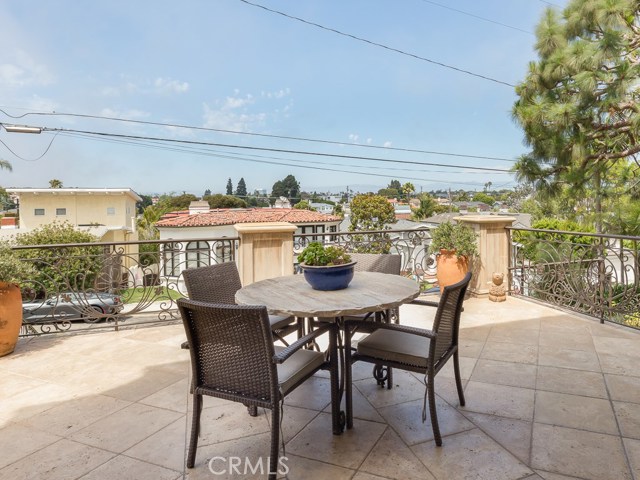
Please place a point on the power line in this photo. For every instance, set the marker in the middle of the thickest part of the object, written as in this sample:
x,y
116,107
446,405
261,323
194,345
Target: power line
x,y
230,156
370,42
478,17
277,150
264,135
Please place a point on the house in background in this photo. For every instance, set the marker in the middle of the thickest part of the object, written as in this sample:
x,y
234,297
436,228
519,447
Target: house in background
x,y
199,223
320,207
107,213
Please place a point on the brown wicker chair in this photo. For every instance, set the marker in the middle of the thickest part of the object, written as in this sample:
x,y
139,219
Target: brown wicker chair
x,y
219,283
233,357
412,349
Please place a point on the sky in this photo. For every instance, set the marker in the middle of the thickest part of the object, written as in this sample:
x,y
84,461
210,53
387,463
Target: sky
x,y
376,90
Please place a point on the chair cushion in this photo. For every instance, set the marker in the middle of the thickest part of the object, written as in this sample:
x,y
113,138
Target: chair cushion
x,y
278,322
396,346
297,367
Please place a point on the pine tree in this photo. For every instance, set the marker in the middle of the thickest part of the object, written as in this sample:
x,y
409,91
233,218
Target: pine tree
x,y
229,187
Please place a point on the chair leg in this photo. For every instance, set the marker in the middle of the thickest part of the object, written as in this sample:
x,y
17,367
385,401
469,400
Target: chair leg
x,y
456,368
348,388
275,438
195,430
432,409
253,410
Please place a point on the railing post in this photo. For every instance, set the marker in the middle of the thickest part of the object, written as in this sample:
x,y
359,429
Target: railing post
x,y
493,247
266,250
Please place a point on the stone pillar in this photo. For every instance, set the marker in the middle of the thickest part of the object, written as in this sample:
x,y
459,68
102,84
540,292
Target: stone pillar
x,y
266,250
493,248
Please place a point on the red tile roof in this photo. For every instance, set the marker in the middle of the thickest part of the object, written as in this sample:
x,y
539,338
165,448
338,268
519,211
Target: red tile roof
x,y
231,216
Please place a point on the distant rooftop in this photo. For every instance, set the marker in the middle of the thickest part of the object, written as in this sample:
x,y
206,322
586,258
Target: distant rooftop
x,y
231,216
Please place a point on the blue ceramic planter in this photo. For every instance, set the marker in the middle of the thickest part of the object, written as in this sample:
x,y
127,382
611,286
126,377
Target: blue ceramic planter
x,y
334,277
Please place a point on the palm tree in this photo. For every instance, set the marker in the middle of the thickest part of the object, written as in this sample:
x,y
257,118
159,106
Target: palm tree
x,y
55,183
4,164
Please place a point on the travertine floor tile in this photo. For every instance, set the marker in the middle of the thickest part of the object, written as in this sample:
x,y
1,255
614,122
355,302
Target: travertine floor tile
x,y
512,434
391,458
593,414
315,393
59,461
500,400
470,454
623,388
125,468
510,352
628,415
124,428
171,454
347,450
406,419
406,387
71,416
593,456
18,441
576,382
505,373
174,397
230,421
568,358
633,452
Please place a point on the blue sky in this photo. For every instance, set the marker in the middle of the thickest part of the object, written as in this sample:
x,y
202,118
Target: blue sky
x,y
227,65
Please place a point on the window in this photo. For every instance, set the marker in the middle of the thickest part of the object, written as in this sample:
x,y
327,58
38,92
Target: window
x,y
224,251
38,211
61,212
171,259
111,210
198,254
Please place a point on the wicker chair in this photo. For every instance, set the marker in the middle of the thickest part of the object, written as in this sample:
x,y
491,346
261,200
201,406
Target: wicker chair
x,y
219,283
412,349
233,357
381,263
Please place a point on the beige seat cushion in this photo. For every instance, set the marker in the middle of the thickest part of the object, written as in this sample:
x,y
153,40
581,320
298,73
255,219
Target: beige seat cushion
x,y
277,322
396,346
297,366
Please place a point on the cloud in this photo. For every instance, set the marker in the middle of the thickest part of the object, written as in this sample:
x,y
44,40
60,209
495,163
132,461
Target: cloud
x,y
386,144
166,85
159,86
24,71
236,112
130,114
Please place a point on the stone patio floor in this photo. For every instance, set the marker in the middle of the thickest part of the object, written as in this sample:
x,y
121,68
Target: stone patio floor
x,y
550,395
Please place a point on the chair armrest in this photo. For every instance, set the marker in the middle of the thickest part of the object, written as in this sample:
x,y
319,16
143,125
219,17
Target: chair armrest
x,y
426,303
371,326
301,342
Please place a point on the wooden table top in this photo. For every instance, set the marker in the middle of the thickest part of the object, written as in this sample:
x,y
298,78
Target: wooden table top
x,y
292,295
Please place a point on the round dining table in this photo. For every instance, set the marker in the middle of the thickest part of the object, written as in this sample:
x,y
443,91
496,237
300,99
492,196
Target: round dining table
x,y
291,295
368,292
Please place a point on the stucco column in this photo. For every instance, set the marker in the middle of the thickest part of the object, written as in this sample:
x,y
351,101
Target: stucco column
x,y
493,248
266,250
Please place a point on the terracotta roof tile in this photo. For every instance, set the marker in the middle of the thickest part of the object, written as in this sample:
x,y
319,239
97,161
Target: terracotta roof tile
x,y
231,216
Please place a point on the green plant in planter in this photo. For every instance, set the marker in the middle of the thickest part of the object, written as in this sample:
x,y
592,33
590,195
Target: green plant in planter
x,y
318,255
456,237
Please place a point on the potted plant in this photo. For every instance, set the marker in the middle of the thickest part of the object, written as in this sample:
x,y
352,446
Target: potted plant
x,y
454,244
13,271
326,267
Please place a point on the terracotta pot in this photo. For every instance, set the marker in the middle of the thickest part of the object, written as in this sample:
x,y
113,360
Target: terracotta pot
x,y
450,269
10,317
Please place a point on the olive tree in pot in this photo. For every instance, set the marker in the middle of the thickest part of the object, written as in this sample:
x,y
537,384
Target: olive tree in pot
x,y
13,272
454,244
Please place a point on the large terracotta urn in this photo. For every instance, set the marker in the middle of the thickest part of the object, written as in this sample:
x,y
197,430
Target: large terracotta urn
x,y
10,317
450,268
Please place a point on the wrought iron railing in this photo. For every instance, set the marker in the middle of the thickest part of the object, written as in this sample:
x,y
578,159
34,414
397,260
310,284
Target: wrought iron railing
x,y
412,245
86,286
594,274
89,286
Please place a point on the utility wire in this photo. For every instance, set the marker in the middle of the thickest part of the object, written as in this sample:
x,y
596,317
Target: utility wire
x,y
231,156
264,135
477,16
277,150
370,42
